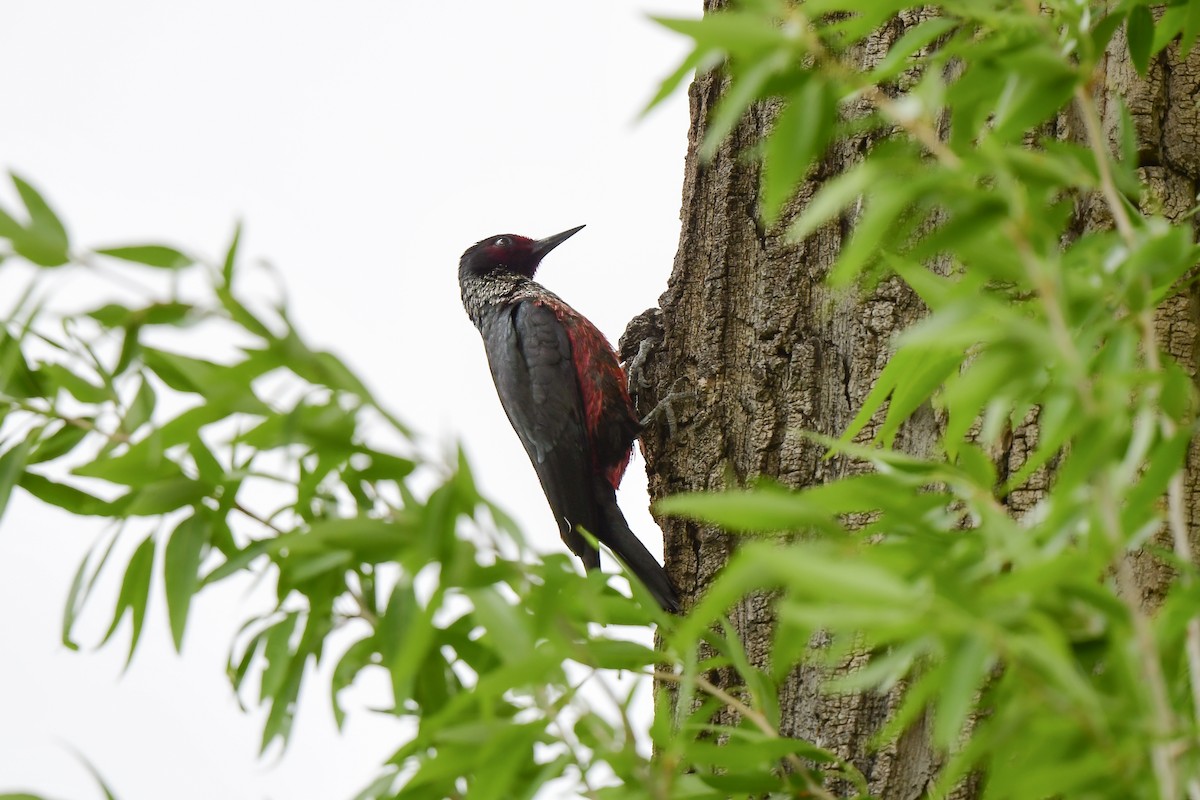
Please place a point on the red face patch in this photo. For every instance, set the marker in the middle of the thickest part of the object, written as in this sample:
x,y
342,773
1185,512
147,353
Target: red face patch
x,y
513,252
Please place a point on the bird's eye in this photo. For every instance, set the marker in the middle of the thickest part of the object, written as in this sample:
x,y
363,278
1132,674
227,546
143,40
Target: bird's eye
x,y
503,241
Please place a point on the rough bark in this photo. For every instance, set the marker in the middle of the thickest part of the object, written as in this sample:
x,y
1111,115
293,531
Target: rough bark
x,y
765,350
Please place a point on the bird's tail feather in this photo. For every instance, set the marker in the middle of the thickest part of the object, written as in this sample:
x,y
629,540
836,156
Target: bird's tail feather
x,y
637,558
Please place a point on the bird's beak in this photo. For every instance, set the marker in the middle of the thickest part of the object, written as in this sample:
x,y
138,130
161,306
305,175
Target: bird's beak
x,y
543,246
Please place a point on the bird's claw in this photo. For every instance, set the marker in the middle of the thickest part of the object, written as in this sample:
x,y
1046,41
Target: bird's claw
x,y
665,406
637,364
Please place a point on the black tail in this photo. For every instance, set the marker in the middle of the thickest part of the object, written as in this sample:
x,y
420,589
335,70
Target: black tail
x,y
630,550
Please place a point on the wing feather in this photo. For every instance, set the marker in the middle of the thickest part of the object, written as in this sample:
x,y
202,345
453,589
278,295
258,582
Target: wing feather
x,y
529,352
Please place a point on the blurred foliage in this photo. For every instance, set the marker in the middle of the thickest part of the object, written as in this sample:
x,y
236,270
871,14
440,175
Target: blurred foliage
x,y
1025,638
216,443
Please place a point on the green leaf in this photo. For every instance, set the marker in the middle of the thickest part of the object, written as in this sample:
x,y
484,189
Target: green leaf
x,y
356,657
901,364
1101,33
405,635
744,34
699,61
1139,29
369,539
12,466
65,497
184,373
59,443
231,256
152,255
798,138
207,465
1191,30
744,90
81,589
240,560
79,387
164,496
760,510
618,654
283,698
44,242
41,216
928,371
17,380
143,463
833,196
966,669
141,409
181,566
96,776
914,39
503,621
134,594
114,315
240,314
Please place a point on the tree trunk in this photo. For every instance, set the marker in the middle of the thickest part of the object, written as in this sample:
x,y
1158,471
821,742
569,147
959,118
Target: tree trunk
x,y
767,350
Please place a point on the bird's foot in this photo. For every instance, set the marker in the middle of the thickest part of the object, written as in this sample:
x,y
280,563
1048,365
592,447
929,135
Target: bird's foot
x,y
666,406
637,365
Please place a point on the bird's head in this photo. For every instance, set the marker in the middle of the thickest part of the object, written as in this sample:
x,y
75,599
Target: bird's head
x,y
507,252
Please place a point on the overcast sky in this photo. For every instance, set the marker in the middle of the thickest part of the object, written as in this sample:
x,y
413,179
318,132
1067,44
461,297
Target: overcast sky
x,y
365,144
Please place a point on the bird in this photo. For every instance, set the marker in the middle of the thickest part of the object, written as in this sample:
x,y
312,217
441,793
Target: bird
x,y
561,385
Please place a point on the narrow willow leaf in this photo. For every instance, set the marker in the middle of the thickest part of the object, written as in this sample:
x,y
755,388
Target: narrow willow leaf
x,y
141,409
914,39
161,497
740,33
504,621
288,672
799,136
181,566
96,776
1139,29
744,89
75,384
833,196
356,657
405,637
134,594
151,255
966,669
1191,30
1102,31
64,496
1059,419
143,463
41,216
880,222
762,510
898,366
231,256
44,242
59,443
240,314
277,650
12,466
928,373
698,61
240,560
617,654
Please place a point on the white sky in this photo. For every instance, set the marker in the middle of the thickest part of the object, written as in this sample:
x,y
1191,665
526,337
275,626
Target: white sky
x,y
365,144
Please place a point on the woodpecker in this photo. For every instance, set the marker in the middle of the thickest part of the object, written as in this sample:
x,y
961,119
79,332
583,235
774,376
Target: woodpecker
x,y
565,394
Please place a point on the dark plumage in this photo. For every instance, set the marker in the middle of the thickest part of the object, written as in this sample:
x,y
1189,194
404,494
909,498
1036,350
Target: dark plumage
x,y
565,394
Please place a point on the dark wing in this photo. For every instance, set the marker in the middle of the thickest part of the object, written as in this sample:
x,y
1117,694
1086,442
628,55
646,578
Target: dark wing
x,y
530,357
